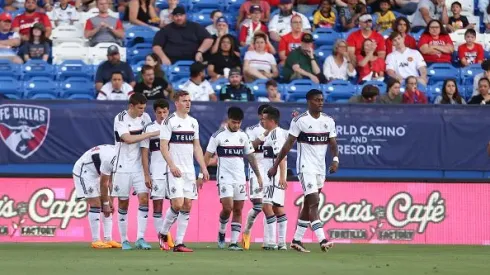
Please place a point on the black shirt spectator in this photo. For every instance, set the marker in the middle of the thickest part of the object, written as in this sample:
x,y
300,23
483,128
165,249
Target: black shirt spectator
x,y
224,58
113,64
151,87
236,90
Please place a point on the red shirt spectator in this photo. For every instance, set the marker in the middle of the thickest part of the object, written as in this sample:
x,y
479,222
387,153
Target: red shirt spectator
x,y
289,42
356,39
25,21
474,55
377,66
416,97
441,40
409,43
273,3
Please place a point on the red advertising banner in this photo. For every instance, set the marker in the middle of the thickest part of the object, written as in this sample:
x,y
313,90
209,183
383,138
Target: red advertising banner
x,y
45,210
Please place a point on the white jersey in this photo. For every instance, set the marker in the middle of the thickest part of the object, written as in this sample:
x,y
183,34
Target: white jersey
x,y
272,146
199,92
181,133
313,137
158,165
253,132
128,156
96,161
64,15
230,148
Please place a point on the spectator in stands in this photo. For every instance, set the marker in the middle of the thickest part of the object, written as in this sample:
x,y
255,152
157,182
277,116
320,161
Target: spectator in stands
x,y
324,16
245,12
301,62
470,52
87,5
356,39
64,13
428,10
412,94
402,26
222,29
268,45
259,64
392,95
9,40
486,73
213,28
338,65
236,90
37,48
457,21
368,94
252,26
9,6
292,40
104,28
449,94
385,17
435,44
116,89
181,40
197,86
349,15
406,6
152,87
486,19
166,14
273,94
483,97
154,61
370,66
23,23
141,13
224,60
113,64
405,62
280,23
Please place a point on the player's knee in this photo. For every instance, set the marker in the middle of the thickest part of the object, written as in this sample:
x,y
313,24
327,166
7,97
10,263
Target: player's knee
x,y
237,212
143,200
94,202
157,206
123,203
227,209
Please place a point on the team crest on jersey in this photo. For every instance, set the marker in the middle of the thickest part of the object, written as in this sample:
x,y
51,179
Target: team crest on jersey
x,y
155,188
116,188
23,128
173,190
90,190
223,189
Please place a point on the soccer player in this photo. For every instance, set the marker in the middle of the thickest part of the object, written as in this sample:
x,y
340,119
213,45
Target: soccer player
x,y
274,188
154,164
91,174
127,171
314,131
255,192
179,144
230,143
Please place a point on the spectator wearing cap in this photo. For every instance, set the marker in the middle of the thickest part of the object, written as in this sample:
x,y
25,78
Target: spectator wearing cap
x,y
280,23
152,87
301,62
9,40
245,12
64,13
113,64
356,39
428,10
197,86
222,29
225,59
253,25
215,15
104,28
236,90
292,40
116,89
181,40
166,14
485,65
23,23
368,95
258,63
37,47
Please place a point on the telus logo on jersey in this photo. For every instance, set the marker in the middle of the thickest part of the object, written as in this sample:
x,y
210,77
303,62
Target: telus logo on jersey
x,y
23,128
229,151
182,137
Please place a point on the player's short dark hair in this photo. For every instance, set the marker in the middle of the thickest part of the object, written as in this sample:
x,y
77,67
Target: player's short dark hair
x,y
137,98
197,68
235,113
261,108
470,31
272,113
146,68
180,94
270,82
394,34
117,72
160,103
312,93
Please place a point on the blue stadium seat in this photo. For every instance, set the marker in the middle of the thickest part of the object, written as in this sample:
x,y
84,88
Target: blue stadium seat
x,y
81,97
218,84
43,96
322,53
138,34
380,84
198,5
138,52
441,71
181,69
324,36
259,89
35,68
178,85
71,68
37,87
417,35
434,90
298,88
137,67
468,73
233,6
203,17
77,86
339,90
10,87
345,35
8,68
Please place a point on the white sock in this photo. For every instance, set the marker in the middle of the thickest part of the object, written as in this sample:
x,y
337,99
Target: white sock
x,y
251,216
317,227
236,228
300,230
142,221
271,230
107,223
266,231
123,224
157,221
182,222
222,225
170,218
282,225
94,221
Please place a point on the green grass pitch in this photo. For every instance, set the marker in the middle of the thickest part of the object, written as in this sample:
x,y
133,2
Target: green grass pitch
x,y
344,259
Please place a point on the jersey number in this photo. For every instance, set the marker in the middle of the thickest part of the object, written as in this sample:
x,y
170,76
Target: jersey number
x,y
269,191
242,189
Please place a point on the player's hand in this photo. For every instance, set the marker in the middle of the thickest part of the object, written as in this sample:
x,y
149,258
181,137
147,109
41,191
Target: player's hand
x,y
148,181
283,183
272,172
259,181
333,168
107,210
175,172
200,183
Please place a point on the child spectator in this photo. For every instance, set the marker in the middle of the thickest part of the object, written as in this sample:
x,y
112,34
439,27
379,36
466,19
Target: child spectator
x,y
249,29
324,17
215,15
470,52
244,13
457,21
273,94
386,17
370,66
166,14
37,47
64,13
412,94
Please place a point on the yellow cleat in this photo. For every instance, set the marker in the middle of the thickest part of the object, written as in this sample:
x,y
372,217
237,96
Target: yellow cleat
x,y
113,244
246,241
170,241
100,245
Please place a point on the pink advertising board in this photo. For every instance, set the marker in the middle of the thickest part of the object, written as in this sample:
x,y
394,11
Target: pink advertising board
x,y
45,210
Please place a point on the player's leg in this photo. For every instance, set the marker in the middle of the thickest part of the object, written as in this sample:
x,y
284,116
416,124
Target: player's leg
x,y
316,224
255,195
175,191
239,196
282,221
270,217
157,196
303,219
107,228
224,215
121,187
190,194
138,183
95,207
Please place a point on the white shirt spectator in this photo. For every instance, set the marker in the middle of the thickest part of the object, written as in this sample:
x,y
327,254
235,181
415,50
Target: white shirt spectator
x,y
332,71
199,92
107,92
261,62
165,17
64,16
405,64
434,12
212,29
282,24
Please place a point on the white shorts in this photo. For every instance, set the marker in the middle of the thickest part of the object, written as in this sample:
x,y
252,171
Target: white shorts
x,y
183,187
311,183
232,190
159,189
122,183
273,194
254,191
86,187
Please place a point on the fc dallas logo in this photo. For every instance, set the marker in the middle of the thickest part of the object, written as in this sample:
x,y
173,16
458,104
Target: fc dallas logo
x,y
23,128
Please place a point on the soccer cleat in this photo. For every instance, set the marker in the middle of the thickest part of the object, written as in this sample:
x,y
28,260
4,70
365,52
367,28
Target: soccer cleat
x,y
221,240
100,245
113,244
234,247
298,246
246,241
182,248
326,245
163,241
269,247
126,246
282,246
170,241
142,244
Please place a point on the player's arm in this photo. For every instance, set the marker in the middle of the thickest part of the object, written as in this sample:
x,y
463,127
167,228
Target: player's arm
x,y
283,173
334,149
210,150
166,155
253,163
145,156
259,140
198,155
288,145
104,194
131,139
